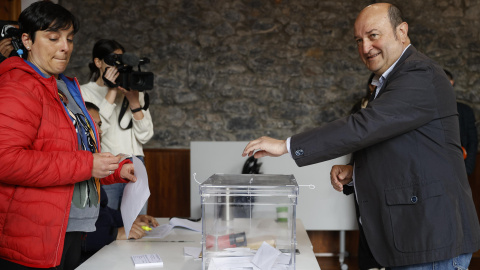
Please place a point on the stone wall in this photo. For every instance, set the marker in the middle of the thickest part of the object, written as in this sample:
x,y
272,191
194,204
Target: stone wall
x,y
239,69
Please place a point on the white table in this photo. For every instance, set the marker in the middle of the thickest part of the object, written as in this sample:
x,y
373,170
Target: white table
x,y
118,254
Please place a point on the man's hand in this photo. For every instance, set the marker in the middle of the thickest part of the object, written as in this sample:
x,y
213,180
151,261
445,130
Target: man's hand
x,y
341,175
6,47
266,146
104,164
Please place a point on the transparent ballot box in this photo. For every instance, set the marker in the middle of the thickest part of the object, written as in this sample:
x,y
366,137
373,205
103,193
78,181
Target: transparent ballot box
x,y
241,213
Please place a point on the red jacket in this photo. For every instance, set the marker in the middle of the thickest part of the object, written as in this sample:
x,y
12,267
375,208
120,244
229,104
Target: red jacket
x,y
39,165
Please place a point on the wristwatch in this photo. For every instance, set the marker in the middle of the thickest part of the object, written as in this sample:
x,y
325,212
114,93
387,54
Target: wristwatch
x,y
136,110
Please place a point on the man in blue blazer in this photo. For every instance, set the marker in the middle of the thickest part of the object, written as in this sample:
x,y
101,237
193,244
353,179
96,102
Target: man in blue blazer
x,y
415,203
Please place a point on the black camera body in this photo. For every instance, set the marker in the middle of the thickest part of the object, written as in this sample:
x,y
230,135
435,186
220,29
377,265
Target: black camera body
x,y
128,78
9,30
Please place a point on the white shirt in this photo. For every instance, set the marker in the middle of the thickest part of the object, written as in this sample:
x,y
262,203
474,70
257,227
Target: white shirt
x,y
115,139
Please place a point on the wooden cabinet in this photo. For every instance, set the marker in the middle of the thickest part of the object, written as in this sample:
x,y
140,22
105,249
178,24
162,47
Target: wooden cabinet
x,y
10,10
169,181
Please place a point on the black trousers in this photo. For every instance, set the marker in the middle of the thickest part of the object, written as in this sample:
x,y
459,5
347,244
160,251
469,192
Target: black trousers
x,y
365,256
70,255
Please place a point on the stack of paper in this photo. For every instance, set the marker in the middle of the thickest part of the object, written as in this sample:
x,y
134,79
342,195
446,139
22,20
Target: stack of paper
x,y
147,260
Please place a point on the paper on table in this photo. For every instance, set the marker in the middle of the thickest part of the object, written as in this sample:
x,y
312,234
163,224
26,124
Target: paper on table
x,y
181,222
163,230
284,259
134,195
266,258
192,251
159,231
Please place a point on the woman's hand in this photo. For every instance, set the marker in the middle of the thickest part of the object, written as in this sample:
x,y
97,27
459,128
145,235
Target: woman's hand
x,y
109,77
111,74
128,172
133,97
104,164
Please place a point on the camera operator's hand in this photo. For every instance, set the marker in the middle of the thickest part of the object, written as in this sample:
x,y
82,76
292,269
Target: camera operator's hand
x,y
6,47
133,97
111,74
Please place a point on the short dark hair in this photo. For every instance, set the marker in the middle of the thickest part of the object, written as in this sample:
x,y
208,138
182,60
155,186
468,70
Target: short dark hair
x,y
45,15
101,49
396,17
91,106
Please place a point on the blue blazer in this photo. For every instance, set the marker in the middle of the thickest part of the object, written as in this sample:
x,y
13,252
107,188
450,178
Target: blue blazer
x,y
413,194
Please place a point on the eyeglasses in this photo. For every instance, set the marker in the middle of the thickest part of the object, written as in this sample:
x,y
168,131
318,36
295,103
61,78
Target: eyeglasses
x,y
87,130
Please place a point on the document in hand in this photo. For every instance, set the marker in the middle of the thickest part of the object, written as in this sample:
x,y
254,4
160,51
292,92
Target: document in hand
x,y
134,195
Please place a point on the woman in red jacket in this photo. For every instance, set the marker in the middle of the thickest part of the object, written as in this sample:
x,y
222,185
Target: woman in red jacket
x,y
51,165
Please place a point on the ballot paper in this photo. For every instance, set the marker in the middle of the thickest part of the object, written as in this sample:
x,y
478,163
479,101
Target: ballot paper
x,y
221,263
192,251
135,195
185,223
163,230
159,231
266,258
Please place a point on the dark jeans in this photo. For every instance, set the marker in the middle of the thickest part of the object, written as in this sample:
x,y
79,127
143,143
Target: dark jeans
x,y
461,262
70,255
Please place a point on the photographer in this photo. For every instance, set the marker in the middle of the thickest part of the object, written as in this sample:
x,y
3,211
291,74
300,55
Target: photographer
x,y
6,40
127,123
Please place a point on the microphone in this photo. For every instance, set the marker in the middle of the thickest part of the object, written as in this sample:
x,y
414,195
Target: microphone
x,y
130,59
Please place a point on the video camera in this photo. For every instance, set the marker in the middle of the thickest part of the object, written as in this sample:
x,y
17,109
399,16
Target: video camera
x,y
129,79
9,30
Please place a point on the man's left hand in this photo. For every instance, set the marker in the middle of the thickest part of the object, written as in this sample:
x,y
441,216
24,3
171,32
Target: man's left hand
x,y
341,175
